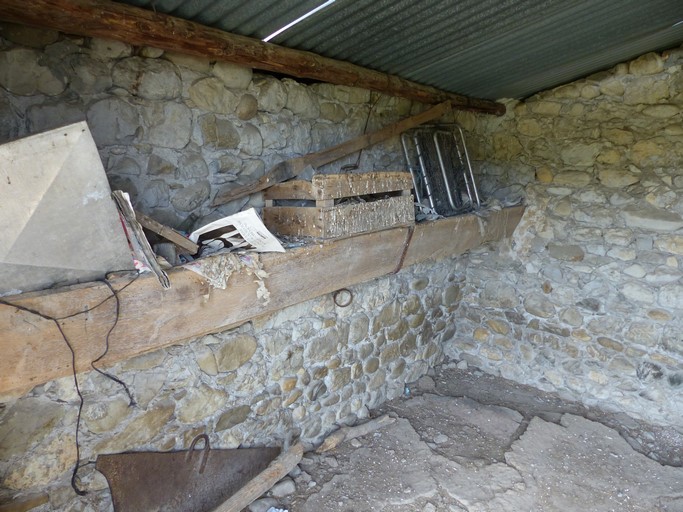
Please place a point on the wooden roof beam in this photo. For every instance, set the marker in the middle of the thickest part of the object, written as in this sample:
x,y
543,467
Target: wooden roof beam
x,y
141,27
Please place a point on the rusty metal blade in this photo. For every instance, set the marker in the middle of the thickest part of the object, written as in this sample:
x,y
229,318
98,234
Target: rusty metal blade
x,y
198,480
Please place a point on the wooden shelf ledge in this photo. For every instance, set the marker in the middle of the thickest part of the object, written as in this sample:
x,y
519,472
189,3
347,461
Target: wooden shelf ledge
x,y
151,318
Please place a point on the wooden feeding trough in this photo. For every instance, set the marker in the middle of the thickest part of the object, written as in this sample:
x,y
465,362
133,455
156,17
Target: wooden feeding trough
x,y
340,205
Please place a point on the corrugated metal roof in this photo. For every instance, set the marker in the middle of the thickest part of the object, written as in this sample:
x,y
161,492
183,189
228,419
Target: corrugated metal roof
x,y
482,48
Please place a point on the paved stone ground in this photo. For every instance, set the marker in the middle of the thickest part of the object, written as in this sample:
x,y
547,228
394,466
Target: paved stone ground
x,y
455,447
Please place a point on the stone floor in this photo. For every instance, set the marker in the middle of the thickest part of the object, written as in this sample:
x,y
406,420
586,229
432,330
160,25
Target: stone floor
x,y
466,441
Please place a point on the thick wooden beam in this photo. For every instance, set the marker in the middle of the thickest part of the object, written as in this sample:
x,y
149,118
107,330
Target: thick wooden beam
x,y
106,19
34,352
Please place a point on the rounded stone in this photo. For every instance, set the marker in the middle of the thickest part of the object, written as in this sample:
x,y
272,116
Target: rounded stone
x,y
659,315
544,175
371,365
498,326
28,36
332,112
211,95
232,417
107,49
539,305
271,94
232,75
572,178
190,197
219,133
647,64
155,194
236,351
251,141
247,108
152,79
300,101
197,64
21,74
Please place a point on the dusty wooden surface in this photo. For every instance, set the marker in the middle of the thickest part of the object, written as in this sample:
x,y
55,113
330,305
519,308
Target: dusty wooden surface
x,y
33,351
335,186
340,220
140,27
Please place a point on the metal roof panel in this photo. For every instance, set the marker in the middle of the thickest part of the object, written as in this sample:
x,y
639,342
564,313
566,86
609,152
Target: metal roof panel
x,y
483,48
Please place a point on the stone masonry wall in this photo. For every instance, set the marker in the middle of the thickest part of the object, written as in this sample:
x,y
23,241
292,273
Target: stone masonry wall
x,y
293,374
588,299
173,130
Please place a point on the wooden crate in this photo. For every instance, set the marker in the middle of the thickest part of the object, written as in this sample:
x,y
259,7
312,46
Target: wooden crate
x,y
387,203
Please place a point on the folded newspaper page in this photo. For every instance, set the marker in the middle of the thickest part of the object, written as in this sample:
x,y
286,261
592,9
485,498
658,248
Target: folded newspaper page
x,y
243,230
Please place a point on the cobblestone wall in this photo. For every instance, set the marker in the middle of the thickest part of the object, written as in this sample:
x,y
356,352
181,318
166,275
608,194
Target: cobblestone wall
x,y
173,130
588,298
294,374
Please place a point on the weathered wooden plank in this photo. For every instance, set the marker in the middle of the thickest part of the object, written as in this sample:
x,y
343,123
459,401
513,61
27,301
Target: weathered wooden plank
x,y
340,220
293,220
167,232
151,317
295,166
112,20
266,479
33,352
336,186
439,239
295,189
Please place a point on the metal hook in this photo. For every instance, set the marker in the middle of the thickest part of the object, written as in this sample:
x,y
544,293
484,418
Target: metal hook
x,y
205,450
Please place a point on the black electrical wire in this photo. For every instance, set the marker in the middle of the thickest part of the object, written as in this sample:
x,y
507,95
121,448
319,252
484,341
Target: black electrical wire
x,y
56,321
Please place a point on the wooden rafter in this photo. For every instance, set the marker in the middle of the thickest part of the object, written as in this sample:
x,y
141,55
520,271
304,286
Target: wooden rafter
x,y
111,20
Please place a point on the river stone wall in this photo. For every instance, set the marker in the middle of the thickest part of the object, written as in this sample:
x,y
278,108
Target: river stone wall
x,y
174,130
291,375
587,300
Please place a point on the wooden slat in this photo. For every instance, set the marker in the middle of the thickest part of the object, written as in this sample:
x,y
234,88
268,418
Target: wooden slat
x,y
294,221
439,239
295,189
341,220
167,232
150,317
112,20
295,166
336,186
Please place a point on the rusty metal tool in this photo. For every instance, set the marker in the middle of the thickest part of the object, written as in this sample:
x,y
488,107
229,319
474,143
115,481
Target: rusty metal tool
x,y
194,479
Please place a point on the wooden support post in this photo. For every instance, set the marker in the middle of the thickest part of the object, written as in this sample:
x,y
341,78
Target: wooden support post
x,y
113,20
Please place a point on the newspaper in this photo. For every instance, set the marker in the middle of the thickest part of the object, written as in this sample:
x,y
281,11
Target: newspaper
x,y
243,230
